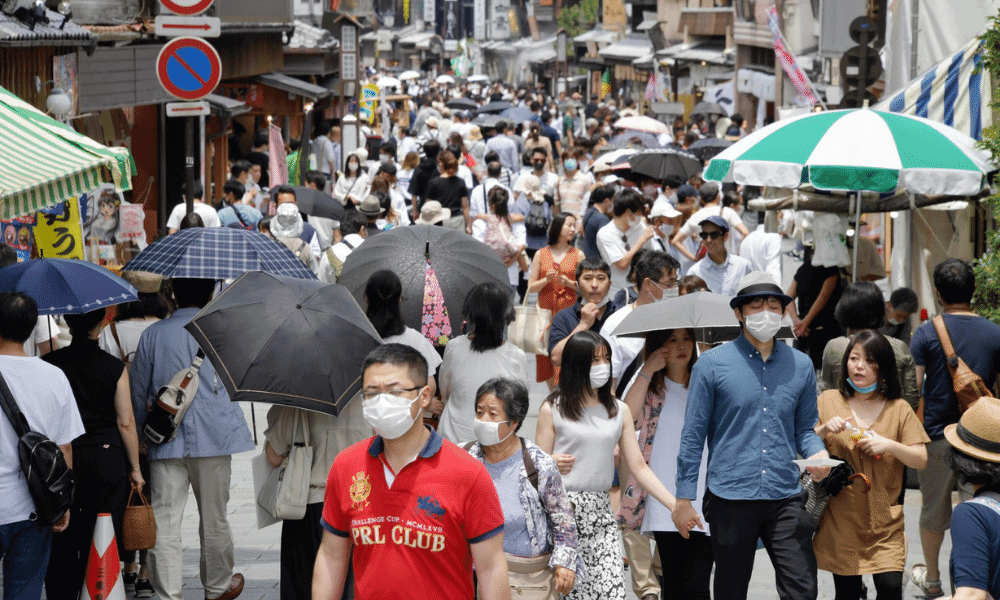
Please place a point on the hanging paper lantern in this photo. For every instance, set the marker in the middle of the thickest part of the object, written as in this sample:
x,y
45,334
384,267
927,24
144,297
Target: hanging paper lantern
x,y
512,17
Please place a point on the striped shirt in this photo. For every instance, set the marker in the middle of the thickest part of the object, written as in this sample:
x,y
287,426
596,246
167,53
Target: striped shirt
x,y
506,149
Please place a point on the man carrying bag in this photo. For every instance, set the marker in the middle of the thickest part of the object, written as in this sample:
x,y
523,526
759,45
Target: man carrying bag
x,y
42,397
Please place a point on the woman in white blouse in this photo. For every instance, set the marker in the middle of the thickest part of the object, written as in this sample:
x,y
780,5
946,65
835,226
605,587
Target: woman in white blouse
x,y
353,184
476,357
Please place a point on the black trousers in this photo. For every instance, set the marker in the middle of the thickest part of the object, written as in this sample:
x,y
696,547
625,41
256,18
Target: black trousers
x,y
687,565
786,531
888,586
300,542
102,486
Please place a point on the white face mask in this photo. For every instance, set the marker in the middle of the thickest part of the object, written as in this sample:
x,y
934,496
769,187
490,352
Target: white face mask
x,y
893,322
389,415
352,167
666,229
386,159
599,375
487,433
763,325
584,165
669,293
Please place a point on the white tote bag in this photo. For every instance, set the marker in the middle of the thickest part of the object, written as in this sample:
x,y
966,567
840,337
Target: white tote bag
x,y
286,492
530,329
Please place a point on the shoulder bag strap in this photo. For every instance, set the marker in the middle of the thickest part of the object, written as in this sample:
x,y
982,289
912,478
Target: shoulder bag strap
x,y
946,347
529,465
114,334
10,408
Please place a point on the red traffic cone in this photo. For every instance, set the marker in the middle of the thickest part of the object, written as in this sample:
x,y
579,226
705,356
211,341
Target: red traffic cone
x,y
103,580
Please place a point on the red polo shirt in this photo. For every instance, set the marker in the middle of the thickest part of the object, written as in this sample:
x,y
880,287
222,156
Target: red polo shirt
x,y
412,540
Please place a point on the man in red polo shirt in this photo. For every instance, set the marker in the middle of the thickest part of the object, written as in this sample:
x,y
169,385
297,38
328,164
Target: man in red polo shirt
x,y
417,510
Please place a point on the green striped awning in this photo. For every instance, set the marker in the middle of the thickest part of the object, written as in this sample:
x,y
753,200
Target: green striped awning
x,y
44,162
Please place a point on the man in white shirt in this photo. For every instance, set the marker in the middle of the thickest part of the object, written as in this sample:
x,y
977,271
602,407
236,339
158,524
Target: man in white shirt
x,y
353,227
408,143
623,236
711,205
45,398
209,217
720,269
763,250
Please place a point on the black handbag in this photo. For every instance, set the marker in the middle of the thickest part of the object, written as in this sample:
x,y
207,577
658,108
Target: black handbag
x,y
50,480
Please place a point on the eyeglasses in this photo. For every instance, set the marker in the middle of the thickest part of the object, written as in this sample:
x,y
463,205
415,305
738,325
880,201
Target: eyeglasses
x,y
669,285
771,302
710,234
625,239
371,394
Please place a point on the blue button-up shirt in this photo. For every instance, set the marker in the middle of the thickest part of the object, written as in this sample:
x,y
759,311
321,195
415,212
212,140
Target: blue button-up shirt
x,y
213,425
755,415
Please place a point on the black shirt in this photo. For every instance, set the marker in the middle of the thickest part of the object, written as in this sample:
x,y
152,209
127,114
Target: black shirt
x,y
422,175
449,191
93,375
808,283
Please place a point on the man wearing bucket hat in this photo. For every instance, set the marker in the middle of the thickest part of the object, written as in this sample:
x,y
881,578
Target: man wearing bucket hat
x,y
975,524
754,400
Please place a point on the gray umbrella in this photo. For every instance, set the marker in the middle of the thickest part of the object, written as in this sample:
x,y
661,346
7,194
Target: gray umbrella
x,y
708,108
286,341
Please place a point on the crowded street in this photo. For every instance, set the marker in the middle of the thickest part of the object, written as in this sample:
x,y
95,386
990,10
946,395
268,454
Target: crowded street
x,y
500,299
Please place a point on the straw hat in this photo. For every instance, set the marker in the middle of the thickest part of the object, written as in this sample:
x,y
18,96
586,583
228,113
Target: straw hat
x,y
432,212
475,134
978,432
144,281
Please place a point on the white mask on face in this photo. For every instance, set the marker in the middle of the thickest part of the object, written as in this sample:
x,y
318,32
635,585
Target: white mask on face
x,y
763,325
389,415
669,293
893,322
666,229
599,375
386,159
487,433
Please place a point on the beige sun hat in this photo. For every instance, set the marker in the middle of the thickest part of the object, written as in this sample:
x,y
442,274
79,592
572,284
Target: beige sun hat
x,y
977,433
432,212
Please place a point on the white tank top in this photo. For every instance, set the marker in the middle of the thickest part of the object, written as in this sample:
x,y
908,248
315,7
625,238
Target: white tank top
x,y
591,440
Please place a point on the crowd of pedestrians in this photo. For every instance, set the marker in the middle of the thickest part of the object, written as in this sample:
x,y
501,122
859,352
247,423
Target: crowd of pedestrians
x,y
674,450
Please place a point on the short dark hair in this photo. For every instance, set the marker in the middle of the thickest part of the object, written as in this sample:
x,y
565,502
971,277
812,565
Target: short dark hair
x,y
148,305
511,392
904,299
383,292
493,169
352,222
193,292
708,192
491,157
574,376
398,355
18,316
861,306
539,150
81,324
502,126
592,263
601,193
955,281
555,227
8,255
731,199
878,350
284,189
234,187
431,149
972,470
239,167
488,309
197,190
261,139
627,200
653,264
317,178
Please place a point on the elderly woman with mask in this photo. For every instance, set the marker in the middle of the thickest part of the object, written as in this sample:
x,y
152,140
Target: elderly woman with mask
x,y
539,529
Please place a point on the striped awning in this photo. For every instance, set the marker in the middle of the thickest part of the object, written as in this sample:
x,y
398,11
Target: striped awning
x,y
956,92
44,162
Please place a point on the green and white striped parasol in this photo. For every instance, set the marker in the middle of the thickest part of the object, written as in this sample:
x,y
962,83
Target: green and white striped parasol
x,y
854,151
44,162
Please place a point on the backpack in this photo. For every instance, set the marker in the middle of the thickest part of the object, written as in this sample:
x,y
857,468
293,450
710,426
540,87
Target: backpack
x,y
50,480
968,386
172,402
536,224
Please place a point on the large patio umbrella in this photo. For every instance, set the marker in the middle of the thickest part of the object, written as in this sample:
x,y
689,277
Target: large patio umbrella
x,y
856,151
43,162
437,266
304,347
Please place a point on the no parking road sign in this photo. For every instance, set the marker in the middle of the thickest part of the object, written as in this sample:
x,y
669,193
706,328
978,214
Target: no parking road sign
x,y
188,68
186,7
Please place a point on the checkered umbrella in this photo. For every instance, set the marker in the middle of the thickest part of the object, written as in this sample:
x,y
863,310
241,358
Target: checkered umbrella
x,y
217,253
61,286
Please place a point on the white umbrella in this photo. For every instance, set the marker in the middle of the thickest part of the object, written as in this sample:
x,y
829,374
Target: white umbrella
x,y
445,79
642,124
606,160
479,78
386,82
406,75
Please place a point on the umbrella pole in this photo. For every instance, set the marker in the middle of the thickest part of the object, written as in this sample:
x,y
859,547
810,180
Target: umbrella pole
x,y
253,420
857,238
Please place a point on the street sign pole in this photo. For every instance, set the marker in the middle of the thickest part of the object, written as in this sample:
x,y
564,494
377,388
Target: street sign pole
x,y
189,163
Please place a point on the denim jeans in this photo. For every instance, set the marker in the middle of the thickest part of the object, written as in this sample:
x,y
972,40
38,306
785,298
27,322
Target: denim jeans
x,y
24,548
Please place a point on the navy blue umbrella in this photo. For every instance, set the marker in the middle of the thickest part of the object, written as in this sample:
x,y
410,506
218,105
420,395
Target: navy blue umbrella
x,y
62,286
217,253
